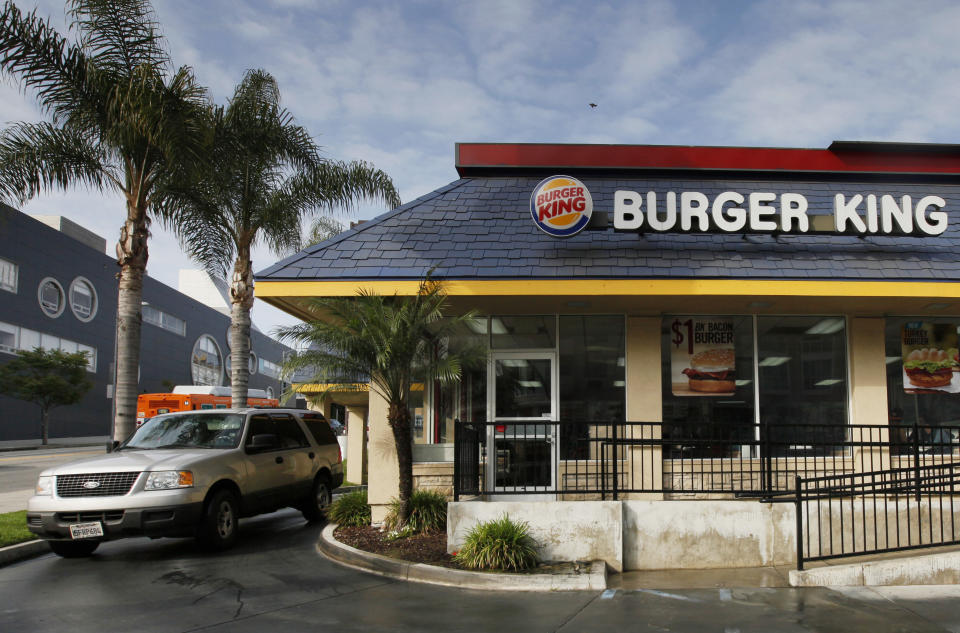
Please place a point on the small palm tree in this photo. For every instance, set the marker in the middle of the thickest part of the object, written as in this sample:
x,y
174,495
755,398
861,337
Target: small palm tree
x,y
395,341
265,175
120,118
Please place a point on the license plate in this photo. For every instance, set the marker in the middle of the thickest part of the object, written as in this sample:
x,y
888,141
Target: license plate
x,y
86,530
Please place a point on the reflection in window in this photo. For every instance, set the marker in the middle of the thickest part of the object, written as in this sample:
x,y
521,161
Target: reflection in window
x,y
803,380
8,276
523,332
206,362
592,378
523,388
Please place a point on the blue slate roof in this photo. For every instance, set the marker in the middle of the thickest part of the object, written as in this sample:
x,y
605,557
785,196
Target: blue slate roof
x,y
480,228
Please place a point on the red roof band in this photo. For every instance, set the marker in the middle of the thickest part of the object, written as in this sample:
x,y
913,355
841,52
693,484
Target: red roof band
x,y
842,156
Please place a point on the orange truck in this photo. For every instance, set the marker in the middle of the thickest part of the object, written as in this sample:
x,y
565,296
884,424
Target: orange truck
x,y
190,397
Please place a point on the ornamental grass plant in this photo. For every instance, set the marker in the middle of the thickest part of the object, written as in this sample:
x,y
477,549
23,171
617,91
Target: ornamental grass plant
x,y
350,509
499,544
428,513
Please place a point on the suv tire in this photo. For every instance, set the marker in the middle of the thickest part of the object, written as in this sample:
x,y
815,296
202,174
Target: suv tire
x,y
73,549
314,507
218,526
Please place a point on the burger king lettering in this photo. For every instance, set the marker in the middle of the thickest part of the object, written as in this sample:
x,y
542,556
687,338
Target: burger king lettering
x,y
767,212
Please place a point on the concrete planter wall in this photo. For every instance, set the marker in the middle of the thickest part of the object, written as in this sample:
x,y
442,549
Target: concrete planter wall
x,y
693,533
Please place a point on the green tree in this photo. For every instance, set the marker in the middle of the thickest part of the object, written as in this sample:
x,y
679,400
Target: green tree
x,y
47,378
395,341
120,118
265,176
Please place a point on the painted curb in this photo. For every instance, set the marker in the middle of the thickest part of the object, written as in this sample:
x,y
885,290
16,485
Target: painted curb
x,y
595,580
21,551
930,569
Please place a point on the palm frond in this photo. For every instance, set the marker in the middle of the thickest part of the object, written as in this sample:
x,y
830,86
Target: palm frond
x,y
119,35
37,157
43,61
340,185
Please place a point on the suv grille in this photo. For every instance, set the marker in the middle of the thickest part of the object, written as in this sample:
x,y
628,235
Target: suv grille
x,y
95,484
74,517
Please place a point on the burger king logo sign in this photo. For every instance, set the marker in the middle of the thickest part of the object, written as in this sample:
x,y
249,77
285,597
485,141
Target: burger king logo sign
x,y
561,206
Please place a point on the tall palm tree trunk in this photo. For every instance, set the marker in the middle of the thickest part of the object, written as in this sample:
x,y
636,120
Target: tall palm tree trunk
x,y
132,258
399,419
241,301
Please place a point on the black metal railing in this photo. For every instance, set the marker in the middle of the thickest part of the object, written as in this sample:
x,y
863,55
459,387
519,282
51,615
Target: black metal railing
x,y
889,510
583,460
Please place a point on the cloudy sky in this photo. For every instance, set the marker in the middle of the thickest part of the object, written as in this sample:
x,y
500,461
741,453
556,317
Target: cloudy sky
x,y
398,83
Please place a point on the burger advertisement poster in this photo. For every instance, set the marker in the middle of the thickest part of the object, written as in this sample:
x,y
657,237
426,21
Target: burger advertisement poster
x,y
930,358
702,357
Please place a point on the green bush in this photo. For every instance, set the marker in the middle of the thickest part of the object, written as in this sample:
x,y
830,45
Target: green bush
x,y
428,513
499,544
350,509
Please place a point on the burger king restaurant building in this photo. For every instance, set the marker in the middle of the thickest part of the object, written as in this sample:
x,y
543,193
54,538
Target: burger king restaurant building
x,y
674,334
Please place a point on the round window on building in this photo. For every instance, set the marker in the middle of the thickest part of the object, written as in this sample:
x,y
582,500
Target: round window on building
x,y
83,299
251,364
51,297
206,364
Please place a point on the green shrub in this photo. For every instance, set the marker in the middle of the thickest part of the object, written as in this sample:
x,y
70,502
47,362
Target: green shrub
x,y
499,544
428,512
350,509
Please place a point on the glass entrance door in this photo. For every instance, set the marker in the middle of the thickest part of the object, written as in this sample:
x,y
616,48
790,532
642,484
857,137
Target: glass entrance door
x,y
522,441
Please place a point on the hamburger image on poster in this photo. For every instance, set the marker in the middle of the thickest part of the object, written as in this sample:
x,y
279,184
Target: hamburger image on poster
x,y
930,357
703,359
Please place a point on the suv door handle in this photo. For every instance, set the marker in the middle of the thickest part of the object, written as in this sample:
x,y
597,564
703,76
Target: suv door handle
x,y
279,459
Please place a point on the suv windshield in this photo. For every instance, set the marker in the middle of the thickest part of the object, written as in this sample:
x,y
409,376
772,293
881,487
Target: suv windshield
x,y
180,430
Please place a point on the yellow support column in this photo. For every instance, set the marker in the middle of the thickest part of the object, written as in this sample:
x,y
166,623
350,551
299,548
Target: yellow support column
x,y
868,391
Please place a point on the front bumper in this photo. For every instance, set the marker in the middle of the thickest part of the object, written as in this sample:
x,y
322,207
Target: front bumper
x,y
174,520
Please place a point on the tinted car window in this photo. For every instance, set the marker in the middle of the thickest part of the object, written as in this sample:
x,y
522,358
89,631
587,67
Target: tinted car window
x,y
289,431
180,430
260,425
321,432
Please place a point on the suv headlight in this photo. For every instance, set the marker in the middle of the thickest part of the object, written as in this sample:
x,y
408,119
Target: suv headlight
x,y
44,486
169,479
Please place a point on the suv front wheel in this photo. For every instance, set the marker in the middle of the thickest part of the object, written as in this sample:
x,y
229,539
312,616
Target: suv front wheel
x,y
312,509
218,527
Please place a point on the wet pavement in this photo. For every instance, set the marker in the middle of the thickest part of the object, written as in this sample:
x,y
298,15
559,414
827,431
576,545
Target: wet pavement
x,y
275,581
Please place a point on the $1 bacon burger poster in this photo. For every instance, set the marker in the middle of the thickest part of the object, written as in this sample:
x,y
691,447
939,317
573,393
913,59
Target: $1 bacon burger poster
x,y
702,357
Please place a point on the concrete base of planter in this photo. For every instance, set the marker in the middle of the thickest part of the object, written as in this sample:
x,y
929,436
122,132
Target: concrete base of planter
x,y
592,579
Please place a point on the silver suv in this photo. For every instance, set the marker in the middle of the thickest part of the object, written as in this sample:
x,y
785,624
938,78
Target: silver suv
x,y
193,473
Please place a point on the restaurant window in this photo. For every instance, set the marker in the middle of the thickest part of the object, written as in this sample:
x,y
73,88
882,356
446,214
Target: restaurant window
x,y
923,387
523,332
727,386
465,399
592,379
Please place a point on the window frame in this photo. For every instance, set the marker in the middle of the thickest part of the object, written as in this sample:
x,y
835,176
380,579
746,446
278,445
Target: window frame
x,y
94,295
63,297
13,266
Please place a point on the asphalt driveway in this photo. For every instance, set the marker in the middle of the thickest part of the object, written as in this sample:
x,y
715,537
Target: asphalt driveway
x,y
275,582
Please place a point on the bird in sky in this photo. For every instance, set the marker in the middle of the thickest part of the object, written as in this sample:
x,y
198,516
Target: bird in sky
x,y
593,105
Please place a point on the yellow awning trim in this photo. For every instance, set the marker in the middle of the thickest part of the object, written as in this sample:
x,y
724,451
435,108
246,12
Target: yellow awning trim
x,y
619,287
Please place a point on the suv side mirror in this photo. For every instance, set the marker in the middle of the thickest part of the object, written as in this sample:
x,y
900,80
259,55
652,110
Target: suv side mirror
x,y
262,443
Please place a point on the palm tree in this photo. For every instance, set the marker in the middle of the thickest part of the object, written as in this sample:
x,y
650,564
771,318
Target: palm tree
x,y
265,175
395,341
120,118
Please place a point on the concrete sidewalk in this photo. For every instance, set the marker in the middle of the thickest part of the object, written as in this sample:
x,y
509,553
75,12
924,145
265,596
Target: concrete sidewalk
x,y
55,442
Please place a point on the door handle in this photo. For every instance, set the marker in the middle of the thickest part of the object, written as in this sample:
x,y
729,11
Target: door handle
x,y
279,460
311,455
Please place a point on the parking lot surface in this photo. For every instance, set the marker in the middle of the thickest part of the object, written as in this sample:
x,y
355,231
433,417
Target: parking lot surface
x,y
275,581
